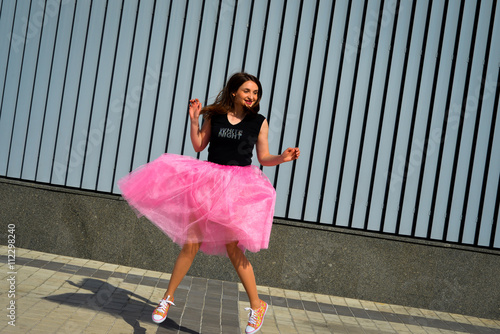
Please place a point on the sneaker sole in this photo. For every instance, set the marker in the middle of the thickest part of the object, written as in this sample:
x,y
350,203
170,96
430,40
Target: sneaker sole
x,y
159,321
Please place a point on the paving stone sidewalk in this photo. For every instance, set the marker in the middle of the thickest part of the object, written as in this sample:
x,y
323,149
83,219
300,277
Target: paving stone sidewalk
x,y
49,293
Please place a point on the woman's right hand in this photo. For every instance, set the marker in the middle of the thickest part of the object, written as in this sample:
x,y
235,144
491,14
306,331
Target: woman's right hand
x,y
194,109
199,137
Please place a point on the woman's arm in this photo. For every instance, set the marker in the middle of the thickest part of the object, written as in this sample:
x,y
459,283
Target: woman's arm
x,y
199,138
267,159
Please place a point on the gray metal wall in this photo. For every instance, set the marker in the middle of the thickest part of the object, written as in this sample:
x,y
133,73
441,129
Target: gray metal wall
x,y
393,103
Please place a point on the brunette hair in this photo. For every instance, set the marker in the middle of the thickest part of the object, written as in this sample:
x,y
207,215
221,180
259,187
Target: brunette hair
x,y
225,100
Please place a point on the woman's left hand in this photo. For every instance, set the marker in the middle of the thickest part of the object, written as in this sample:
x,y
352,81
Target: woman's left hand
x,y
290,154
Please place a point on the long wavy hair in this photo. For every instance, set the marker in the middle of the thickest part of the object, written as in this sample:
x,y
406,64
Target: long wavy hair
x,y
224,101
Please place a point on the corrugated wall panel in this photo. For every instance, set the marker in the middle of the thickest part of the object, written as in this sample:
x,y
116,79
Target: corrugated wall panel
x,y
393,102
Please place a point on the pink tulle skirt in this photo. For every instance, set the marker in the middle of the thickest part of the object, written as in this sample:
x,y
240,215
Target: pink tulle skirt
x,y
195,201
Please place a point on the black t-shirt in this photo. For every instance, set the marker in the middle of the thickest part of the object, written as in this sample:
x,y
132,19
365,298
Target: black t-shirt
x,y
233,144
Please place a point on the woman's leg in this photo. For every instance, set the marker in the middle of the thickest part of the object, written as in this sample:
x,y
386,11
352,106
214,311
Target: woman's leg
x,y
181,267
245,273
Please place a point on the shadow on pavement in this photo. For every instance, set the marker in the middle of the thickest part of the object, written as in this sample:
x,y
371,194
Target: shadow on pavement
x,y
105,297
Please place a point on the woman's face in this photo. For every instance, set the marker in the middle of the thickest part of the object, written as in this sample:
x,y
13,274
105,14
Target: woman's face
x,y
247,94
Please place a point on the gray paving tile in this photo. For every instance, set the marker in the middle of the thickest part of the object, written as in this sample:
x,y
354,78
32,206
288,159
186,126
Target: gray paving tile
x,y
202,305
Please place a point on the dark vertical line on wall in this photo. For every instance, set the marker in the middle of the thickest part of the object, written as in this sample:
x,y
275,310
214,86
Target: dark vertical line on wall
x,y
109,97
276,61
49,82
205,101
261,55
160,77
429,121
487,163
146,63
93,94
17,95
216,30
247,39
445,119
495,215
365,114
461,126
349,116
334,112
174,93
62,94
68,165
398,116
302,105
193,73
127,81
8,58
263,42
476,129
382,113
32,92
413,117
318,110
288,92
231,39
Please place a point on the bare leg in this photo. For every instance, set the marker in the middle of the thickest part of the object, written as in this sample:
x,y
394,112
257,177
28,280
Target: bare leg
x,y
182,265
245,273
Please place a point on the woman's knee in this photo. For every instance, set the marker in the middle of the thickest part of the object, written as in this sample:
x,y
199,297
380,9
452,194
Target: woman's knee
x,y
232,247
191,248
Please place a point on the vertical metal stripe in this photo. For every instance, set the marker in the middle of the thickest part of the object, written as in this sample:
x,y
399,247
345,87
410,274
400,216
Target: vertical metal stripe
x,y
476,129
132,158
247,39
212,55
93,93
263,39
161,71
18,88
445,117
125,94
276,60
487,167
381,118
301,117
460,129
109,99
49,82
287,99
191,85
349,117
261,55
413,116
318,110
334,111
62,94
365,116
231,40
32,92
495,215
78,96
429,120
174,93
398,116
8,59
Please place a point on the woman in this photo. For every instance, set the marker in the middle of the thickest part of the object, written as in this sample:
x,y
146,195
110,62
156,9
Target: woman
x,y
222,206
